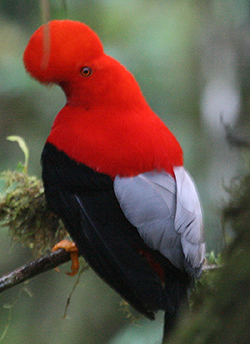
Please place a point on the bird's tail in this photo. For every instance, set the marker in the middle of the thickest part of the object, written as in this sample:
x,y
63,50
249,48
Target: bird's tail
x,y
177,286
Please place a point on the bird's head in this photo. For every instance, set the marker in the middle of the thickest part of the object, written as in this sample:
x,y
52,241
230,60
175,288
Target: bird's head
x,y
59,49
70,54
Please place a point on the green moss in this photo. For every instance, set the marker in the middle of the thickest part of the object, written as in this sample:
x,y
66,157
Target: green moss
x,y
24,211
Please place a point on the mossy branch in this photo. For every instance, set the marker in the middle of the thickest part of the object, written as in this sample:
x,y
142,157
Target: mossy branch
x,y
23,210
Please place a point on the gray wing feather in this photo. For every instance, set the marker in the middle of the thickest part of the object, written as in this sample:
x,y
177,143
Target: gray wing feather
x,y
157,205
188,219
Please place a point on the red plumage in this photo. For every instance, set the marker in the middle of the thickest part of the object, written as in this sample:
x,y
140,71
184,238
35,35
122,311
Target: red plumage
x,y
106,123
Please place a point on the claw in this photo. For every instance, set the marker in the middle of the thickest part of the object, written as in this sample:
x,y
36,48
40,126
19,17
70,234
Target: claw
x,y
70,247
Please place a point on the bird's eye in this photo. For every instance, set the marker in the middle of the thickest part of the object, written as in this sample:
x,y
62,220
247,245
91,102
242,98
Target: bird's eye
x,y
86,71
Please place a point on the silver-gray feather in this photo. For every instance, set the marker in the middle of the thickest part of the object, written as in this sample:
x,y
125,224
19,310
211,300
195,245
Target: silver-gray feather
x,y
167,213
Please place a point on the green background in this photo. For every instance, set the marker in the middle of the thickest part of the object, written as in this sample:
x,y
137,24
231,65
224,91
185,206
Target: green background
x,y
192,61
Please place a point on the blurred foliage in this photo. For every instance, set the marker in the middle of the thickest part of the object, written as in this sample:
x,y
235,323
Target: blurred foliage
x,y
206,284
192,61
223,315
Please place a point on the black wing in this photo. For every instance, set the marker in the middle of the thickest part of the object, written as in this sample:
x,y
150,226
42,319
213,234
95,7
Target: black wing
x,y
86,202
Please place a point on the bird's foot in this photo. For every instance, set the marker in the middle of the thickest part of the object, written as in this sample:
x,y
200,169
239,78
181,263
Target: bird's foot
x,y
71,248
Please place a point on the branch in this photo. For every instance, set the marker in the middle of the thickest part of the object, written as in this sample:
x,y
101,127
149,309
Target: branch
x,y
34,268
44,264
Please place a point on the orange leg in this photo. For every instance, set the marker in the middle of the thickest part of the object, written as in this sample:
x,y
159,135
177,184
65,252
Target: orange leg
x,y
70,247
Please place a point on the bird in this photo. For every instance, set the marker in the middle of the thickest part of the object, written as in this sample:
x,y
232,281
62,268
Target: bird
x,y
113,172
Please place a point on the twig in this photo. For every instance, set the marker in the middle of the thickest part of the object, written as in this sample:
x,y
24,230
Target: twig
x,y
73,289
207,267
34,268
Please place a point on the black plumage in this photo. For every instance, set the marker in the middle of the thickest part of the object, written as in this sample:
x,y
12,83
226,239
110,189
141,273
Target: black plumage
x,y
86,202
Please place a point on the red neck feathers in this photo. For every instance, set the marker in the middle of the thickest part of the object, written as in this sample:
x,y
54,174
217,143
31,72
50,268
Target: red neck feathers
x,y
123,139
124,144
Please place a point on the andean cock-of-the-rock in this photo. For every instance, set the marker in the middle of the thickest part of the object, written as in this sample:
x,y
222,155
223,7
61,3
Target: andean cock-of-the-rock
x,y
114,173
